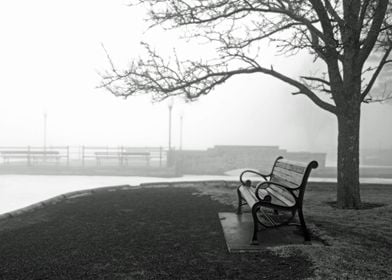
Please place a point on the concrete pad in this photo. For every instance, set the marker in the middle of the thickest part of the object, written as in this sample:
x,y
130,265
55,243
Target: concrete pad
x,y
238,230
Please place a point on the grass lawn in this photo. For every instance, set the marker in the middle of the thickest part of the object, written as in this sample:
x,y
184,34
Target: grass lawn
x,y
361,240
175,233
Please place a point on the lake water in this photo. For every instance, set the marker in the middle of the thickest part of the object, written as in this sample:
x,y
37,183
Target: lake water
x,y
18,191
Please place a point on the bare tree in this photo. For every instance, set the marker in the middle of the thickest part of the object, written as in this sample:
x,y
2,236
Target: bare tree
x,y
341,34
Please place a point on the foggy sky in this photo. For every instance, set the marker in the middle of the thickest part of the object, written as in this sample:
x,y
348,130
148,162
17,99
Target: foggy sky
x,y
50,53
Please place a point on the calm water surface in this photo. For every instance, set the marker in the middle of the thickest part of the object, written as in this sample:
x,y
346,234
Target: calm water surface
x,y
18,191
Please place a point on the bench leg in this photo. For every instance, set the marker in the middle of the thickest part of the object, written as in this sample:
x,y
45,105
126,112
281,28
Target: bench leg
x,y
255,227
239,201
303,225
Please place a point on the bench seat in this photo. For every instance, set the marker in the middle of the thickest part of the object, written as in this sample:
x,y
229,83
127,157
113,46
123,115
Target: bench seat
x,y
271,195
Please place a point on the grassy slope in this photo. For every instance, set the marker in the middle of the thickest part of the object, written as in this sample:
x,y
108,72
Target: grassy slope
x,y
162,233
170,234
360,239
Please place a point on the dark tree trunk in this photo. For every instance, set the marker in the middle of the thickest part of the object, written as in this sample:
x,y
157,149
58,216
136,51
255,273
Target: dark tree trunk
x,y
348,191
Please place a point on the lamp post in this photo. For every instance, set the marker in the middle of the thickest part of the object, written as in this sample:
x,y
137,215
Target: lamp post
x,y
170,106
181,123
45,119
169,151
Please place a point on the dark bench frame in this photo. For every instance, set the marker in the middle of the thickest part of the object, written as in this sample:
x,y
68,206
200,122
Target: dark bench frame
x,y
122,157
282,190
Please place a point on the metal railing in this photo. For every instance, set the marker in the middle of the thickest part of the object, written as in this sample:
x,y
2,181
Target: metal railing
x,y
84,156
32,155
123,156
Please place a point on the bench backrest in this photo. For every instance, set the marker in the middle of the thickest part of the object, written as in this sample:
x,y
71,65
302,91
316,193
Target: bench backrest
x,y
135,153
19,152
119,154
292,174
107,153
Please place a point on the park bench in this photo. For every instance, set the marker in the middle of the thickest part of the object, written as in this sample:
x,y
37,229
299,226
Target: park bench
x,y
277,197
30,156
122,157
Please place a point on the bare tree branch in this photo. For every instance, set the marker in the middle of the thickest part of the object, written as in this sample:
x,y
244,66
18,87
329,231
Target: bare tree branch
x,y
374,31
376,73
333,12
160,79
325,22
362,13
341,33
316,79
303,89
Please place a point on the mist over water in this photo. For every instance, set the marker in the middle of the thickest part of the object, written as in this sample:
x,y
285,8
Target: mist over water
x,y
63,59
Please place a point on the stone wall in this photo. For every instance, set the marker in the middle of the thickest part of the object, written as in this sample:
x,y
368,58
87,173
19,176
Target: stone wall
x,y
376,157
220,159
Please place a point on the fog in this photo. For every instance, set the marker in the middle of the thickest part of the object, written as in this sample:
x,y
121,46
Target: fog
x,y
52,51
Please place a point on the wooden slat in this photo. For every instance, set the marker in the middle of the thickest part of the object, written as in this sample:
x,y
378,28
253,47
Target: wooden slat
x,y
262,193
249,196
298,167
282,195
280,200
288,171
282,181
286,178
294,163
289,176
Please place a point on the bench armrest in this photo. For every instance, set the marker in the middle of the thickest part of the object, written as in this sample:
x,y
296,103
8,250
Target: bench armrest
x,y
264,185
248,182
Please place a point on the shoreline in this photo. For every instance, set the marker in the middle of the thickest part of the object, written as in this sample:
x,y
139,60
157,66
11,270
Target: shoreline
x,y
382,172
43,189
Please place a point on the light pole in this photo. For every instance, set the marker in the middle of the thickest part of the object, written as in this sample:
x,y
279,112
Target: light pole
x,y
170,106
45,119
169,152
181,123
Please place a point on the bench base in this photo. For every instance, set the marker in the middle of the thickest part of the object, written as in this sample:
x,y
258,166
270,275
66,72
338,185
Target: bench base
x,y
282,190
265,213
237,230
